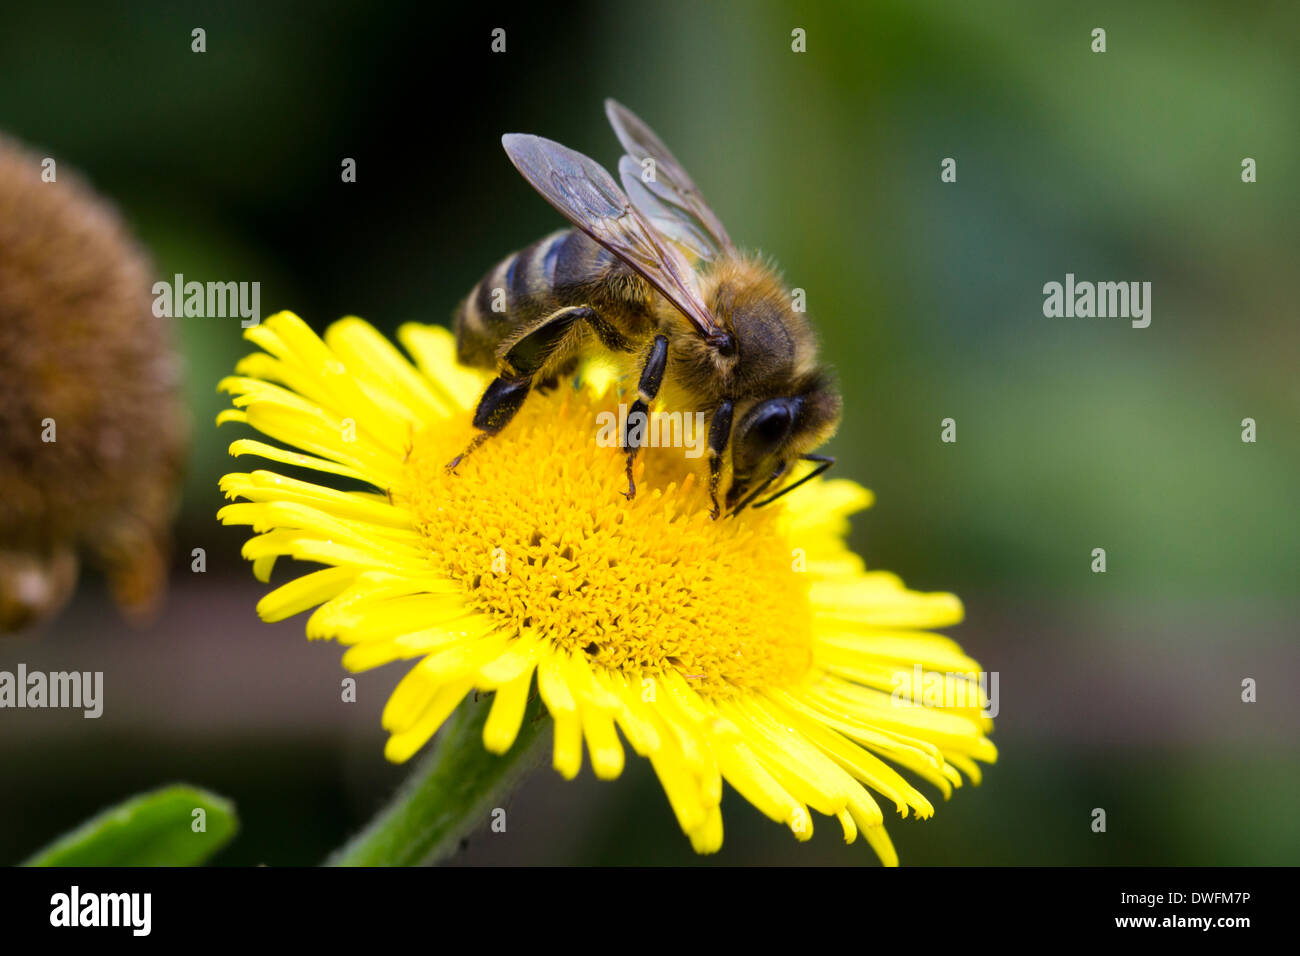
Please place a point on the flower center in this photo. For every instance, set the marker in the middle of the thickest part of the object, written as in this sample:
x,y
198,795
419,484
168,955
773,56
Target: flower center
x,y
535,526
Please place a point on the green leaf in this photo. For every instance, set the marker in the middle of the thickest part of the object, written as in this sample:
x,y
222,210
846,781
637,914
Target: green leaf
x,y
160,828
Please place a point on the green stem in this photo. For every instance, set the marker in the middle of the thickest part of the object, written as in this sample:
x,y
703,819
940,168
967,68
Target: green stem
x,y
451,792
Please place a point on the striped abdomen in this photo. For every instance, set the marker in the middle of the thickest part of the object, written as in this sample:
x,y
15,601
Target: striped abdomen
x,y
563,269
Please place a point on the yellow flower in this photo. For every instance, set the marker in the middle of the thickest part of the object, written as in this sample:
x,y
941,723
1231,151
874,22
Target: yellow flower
x,y
755,649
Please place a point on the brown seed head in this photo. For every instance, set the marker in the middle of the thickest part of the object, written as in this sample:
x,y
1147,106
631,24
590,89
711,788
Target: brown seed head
x,y
83,361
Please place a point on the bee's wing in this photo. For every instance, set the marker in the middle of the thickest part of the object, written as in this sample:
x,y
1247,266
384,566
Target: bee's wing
x,y
670,199
668,220
590,199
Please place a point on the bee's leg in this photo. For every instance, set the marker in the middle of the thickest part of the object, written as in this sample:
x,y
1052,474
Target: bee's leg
x,y
652,376
524,359
498,405
552,381
610,337
719,435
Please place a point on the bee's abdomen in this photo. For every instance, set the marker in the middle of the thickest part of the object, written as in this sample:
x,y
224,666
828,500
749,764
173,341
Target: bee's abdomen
x,y
520,287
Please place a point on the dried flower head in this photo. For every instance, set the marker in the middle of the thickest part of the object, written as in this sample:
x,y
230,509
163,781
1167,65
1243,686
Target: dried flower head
x,y
92,425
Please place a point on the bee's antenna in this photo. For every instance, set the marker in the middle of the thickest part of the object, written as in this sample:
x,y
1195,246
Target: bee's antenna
x,y
824,462
745,502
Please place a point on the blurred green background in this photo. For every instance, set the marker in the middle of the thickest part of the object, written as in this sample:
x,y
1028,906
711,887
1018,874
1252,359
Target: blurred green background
x,y
1119,691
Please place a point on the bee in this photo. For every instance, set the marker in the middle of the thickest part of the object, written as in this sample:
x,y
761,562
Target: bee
x,y
648,274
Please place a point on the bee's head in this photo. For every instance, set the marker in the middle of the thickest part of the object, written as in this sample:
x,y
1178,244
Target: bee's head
x,y
773,433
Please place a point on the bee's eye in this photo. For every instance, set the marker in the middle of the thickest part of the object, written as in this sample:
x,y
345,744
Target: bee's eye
x,y
763,431
771,428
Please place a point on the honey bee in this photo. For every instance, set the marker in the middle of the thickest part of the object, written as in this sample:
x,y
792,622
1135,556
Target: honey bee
x,y
656,280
